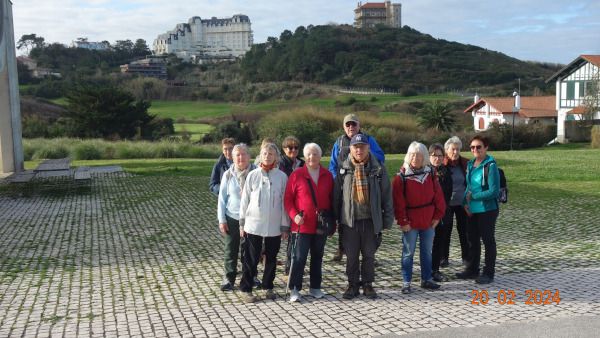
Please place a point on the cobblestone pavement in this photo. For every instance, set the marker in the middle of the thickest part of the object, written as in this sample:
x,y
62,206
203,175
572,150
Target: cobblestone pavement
x,y
141,256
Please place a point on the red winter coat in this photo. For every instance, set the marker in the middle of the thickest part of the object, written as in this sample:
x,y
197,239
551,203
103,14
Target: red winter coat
x,y
418,194
298,197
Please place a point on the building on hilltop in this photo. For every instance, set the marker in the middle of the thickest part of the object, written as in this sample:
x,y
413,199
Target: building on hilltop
x,y
207,40
37,72
375,13
151,67
89,45
527,110
577,97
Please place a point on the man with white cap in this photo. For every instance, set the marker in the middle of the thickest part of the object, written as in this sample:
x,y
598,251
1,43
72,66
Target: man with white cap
x,y
339,153
362,202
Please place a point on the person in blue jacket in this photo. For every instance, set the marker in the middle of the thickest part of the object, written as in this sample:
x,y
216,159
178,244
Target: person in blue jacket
x,y
481,206
339,153
223,163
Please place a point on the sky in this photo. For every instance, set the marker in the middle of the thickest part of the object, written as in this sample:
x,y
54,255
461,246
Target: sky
x,y
555,31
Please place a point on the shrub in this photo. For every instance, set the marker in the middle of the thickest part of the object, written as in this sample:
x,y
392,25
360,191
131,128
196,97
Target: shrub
x,y
595,136
525,136
50,151
86,151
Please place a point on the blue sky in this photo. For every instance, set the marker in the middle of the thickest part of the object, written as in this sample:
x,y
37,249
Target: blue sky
x,y
540,30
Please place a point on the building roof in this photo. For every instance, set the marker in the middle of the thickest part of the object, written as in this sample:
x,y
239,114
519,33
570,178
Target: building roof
x,y
370,5
531,106
574,65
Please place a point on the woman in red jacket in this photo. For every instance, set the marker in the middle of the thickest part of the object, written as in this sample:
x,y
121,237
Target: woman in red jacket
x,y
418,206
300,206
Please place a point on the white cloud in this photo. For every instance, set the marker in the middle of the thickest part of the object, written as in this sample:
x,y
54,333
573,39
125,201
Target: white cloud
x,y
554,31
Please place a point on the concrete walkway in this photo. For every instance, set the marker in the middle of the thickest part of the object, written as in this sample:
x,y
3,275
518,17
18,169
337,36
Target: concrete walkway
x,y
141,256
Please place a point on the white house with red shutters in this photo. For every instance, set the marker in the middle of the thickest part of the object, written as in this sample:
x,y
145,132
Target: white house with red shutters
x,y
576,83
525,110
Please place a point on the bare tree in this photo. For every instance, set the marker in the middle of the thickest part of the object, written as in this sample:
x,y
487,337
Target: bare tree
x,y
591,99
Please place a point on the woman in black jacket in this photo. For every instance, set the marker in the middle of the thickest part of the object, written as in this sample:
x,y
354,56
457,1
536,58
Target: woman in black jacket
x,y
436,157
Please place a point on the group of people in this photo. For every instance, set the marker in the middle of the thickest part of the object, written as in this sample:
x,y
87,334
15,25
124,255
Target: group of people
x,y
283,197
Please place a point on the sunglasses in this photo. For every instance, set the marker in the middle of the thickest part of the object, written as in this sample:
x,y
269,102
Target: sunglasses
x,y
292,147
476,147
350,123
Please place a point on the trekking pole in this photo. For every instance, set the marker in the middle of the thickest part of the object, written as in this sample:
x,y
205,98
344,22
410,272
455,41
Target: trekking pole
x,y
294,241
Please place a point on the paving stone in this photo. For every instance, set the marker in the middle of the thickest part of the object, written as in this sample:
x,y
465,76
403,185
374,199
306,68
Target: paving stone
x,y
141,256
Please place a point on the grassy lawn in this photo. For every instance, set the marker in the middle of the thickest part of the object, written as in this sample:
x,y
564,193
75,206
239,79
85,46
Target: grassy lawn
x,y
196,130
189,109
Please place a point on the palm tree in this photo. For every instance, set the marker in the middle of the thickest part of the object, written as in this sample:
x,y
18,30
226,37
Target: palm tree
x,y
436,115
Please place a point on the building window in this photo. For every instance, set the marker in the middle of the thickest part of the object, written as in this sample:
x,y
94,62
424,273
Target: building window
x,y
570,90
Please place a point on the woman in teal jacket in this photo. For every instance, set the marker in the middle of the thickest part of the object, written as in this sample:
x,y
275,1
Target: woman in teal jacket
x,y
481,205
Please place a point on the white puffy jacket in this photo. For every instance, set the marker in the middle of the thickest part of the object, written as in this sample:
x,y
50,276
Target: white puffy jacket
x,y
261,206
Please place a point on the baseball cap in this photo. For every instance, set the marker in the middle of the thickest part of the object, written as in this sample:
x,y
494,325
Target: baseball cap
x,y
359,139
351,117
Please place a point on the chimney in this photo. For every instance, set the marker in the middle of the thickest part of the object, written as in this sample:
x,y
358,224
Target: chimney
x,y
476,98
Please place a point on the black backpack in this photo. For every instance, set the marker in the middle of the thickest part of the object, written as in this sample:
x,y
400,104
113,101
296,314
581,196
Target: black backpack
x,y
503,196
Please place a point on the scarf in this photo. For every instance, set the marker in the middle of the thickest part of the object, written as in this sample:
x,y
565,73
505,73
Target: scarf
x,y
419,175
360,186
241,175
267,167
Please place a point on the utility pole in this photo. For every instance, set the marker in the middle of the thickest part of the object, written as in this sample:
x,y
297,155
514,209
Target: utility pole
x,y
11,148
515,110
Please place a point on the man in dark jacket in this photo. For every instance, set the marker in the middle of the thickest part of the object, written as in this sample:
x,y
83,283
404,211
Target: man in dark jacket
x,y
223,163
363,207
339,153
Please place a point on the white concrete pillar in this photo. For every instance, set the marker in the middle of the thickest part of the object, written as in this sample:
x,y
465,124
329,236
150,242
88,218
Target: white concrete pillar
x,y
11,148
561,116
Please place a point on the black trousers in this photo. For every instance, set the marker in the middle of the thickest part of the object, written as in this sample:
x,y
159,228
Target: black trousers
x,y
253,248
305,243
461,226
360,240
481,227
439,244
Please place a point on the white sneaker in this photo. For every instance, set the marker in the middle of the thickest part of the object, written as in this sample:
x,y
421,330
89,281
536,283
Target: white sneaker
x,y
295,295
317,293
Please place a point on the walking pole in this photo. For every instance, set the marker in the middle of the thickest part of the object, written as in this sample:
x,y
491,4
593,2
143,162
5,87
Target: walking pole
x,y
287,285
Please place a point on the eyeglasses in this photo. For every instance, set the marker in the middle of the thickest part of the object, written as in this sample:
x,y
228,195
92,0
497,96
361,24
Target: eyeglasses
x,y
438,156
292,147
476,147
351,123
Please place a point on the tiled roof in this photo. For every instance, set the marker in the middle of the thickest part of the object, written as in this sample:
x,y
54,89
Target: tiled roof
x,y
531,106
369,5
574,65
593,59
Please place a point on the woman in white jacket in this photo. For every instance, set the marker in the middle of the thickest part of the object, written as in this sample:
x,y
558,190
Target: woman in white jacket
x,y
262,217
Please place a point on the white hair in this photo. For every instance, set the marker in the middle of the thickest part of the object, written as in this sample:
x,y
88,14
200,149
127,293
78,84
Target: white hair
x,y
241,147
453,140
271,146
416,148
312,146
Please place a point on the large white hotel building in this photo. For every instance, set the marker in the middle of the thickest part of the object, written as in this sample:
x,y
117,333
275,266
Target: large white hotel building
x,y
209,39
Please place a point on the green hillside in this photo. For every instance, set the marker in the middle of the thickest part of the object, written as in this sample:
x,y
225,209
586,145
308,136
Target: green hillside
x,y
384,57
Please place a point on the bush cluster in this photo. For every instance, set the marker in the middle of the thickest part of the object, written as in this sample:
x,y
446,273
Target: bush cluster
x,y
97,149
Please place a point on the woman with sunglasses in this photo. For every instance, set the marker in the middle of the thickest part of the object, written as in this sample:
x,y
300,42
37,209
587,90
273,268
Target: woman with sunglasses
x,y
481,206
290,161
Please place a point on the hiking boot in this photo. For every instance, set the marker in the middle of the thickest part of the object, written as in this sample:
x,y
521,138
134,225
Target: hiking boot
x,y
484,279
226,285
429,284
317,293
337,257
351,292
466,275
295,295
257,283
439,277
406,288
269,294
248,297
368,291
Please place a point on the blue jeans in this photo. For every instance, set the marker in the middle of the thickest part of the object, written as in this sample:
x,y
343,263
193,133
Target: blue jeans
x,y
409,244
